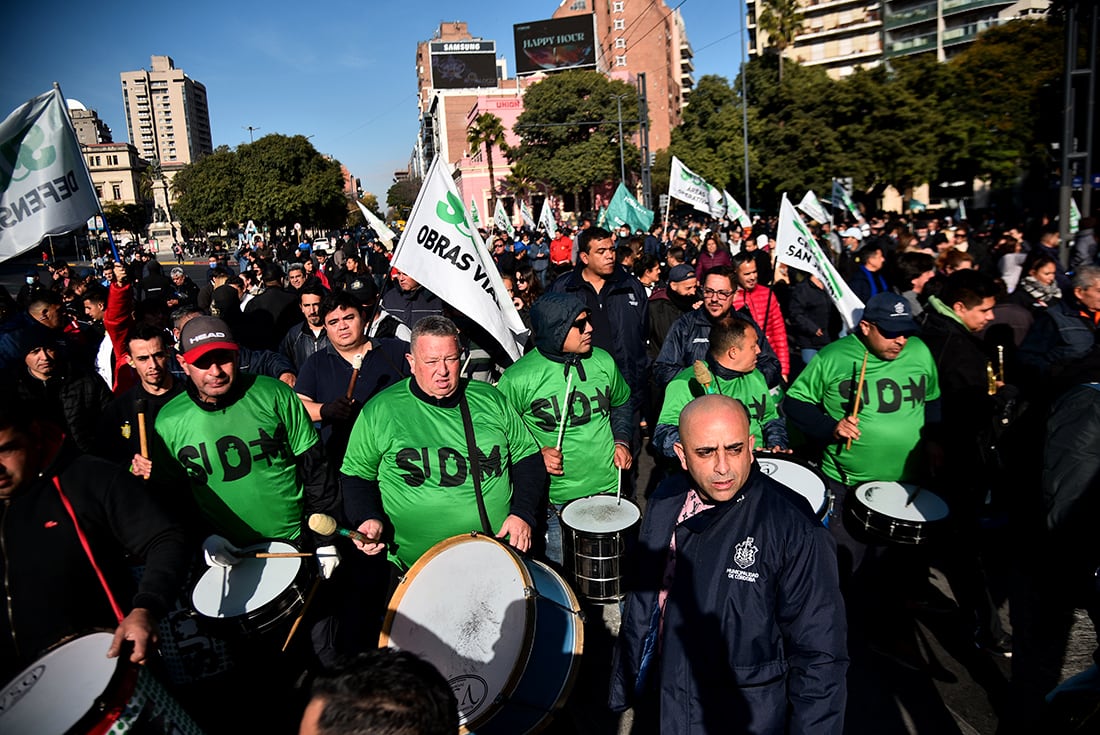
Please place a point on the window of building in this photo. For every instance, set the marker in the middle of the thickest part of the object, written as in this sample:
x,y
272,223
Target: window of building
x,y
579,5
620,43
112,160
617,6
99,192
620,60
619,24
116,191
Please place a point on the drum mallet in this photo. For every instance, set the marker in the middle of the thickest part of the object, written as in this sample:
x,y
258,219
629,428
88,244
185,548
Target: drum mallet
x,y
302,613
356,363
703,376
565,407
325,525
143,438
859,394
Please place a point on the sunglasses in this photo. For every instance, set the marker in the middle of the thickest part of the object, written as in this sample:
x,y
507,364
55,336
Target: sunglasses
x,y
521,280
581,324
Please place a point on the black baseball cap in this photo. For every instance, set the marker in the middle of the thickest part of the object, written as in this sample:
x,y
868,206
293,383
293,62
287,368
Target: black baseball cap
x,y
890,312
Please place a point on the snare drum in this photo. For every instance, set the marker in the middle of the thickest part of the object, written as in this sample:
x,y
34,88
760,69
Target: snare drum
x,y
593,544
800,477
898,512
255,595
505,631
75,688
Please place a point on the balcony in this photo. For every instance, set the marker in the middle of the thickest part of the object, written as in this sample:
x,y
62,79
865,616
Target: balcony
x,y
919,14
954,7
832,27
914,45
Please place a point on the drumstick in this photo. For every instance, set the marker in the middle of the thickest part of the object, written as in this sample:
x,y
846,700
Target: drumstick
x,y
356,363
911,498
302,613
275,555
859,394
619,489
143,438
565,408
703,376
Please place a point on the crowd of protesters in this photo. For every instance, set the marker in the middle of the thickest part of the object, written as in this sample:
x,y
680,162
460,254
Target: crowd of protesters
x,y
982,385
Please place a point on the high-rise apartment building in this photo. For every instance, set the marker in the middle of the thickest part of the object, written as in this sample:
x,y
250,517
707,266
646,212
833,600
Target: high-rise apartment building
x,y
843,35
90,130
643,36
167,117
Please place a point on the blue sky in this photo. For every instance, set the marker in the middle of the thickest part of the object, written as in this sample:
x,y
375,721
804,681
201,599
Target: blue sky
x,y
342,72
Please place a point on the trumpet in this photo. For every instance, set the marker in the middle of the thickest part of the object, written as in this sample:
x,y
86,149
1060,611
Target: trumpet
x,y
991,377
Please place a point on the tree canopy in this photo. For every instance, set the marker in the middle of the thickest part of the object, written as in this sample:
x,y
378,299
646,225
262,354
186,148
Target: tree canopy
x,y
401,197
569,130
278,180
977,116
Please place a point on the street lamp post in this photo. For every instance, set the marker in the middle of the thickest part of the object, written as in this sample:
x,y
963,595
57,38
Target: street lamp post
x,y
622,160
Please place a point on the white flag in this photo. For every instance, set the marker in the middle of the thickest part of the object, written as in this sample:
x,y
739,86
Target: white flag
x,y
442,251
502,220
813,208
44,185
1074,216
546,219
735,211
688,187
474,214
385,234
796,247
525,213
841,199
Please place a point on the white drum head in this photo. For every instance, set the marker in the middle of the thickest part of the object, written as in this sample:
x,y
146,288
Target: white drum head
x,y
463,608
60,688
797,477
229,592
891,498
600,514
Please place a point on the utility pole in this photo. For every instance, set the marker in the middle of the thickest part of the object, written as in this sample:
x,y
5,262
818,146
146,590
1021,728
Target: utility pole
x,y
643,138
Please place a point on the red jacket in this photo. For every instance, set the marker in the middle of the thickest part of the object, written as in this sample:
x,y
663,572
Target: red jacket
x,y
765,311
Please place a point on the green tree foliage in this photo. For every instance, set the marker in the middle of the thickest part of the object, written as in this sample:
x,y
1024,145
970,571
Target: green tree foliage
x,y
560,142
487,132
781,20
401,197
128,217
277,181
978,116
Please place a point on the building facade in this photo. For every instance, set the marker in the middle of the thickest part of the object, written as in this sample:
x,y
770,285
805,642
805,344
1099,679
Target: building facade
x,y
167,117
116,170
644,36
844,35
90,130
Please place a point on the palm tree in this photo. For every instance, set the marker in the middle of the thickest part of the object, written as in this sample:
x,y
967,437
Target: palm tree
x,y
782,21
487,131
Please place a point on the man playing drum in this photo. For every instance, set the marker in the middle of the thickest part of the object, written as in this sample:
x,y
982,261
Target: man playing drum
x,y
408,475
731,371
53,499
736,621
576,404
882,440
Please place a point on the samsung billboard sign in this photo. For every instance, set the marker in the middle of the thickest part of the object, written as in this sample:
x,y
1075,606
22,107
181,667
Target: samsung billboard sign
x,y
463,64
559,43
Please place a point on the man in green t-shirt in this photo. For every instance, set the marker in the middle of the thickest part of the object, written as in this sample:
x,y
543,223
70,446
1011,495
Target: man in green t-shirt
x,y
408,475
567,379
731,367
246,446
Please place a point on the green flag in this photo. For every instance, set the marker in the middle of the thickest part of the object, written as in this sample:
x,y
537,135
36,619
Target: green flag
x,y
623,209
474,214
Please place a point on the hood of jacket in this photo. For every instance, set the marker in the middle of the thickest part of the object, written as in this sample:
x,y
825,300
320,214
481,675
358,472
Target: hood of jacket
x,y
552,317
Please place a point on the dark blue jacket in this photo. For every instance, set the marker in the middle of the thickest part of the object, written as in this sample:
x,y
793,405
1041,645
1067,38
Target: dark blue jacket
x,y
620,319
688,340
754,631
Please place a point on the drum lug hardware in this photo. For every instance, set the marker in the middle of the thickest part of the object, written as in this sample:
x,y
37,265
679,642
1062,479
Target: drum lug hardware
x,y
529,593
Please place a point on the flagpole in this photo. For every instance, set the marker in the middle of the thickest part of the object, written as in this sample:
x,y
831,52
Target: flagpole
x,y
99,204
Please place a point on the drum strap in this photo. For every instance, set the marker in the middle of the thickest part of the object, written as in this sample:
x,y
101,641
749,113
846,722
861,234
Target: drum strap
x,y
88,550
475,463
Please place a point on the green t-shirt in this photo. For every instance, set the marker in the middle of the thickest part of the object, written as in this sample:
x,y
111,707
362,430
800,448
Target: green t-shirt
x,y
891,412
417,453
535,386
750,388
240,460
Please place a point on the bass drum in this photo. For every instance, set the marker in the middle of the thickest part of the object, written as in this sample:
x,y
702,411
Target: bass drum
x,y
801,477
75,690
898,512
505,632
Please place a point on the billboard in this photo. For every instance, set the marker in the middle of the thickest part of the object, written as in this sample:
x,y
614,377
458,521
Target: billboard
x,y
559,43
463,64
